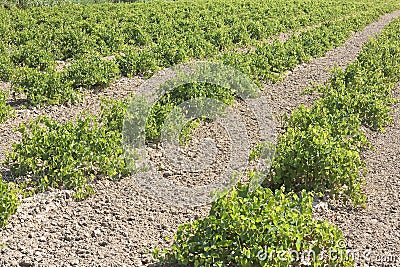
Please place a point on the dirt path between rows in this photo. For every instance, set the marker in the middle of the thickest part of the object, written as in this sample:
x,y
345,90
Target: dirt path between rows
x,y
120,225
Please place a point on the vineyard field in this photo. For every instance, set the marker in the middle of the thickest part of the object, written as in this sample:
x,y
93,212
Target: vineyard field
x,y
56,56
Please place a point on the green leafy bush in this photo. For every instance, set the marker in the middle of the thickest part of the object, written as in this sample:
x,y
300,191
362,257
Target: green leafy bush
x,y
258,228
5,110
32,55
91,71
134,61
6,67
8,202
361,92
56,87
319,152
113,111
67,155
44,87
113,114
177,96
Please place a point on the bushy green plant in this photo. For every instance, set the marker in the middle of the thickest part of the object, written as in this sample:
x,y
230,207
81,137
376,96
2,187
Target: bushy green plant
x,y
320,155
178,95
44,87
57,87
8,202
113,113
361,92
32,54
67,155
90,71
258,228
5,110
135,61
6,67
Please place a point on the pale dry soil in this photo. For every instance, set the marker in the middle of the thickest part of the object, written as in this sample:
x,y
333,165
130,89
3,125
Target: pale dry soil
x,y
121,224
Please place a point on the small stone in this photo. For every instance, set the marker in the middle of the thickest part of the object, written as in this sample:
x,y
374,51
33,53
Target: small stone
x,y
96,232
80,251
22,249
103,243
137,262
321,207
161,167
74,262
167,173
145,260
42,239
26,263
